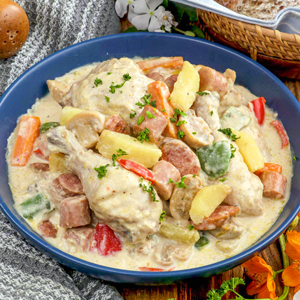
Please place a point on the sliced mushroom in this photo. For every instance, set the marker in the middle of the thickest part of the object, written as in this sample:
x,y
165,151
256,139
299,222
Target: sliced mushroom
x,y
231,230
86,126
196,131
181,199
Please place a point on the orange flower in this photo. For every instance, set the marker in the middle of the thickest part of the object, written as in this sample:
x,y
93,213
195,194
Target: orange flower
x,y
291,275
262,275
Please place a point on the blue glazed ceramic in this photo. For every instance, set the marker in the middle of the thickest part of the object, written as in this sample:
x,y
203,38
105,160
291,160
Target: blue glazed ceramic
x,y
32,84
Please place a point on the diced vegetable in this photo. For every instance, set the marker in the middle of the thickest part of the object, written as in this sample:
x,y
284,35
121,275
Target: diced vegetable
x,y
215,158
164,62
137,169
249,150
269,167
32,206
105,241
207,200
57,163
46,126
144,153
203,241
259,109
28,131
281,132
67,113
185,88
233,118
180,234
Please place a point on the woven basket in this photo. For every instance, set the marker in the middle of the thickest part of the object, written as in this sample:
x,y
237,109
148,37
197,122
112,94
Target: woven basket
x,y
254,39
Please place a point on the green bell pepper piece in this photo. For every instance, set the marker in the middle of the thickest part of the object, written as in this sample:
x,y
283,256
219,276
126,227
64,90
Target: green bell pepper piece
x,y
46,126
32,206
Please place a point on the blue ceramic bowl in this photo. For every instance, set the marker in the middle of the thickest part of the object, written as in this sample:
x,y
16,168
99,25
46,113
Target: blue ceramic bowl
x,y
32,84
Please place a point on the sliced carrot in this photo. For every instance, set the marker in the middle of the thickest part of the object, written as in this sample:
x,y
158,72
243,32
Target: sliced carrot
x,y
164,62
28,130
269,167
160,93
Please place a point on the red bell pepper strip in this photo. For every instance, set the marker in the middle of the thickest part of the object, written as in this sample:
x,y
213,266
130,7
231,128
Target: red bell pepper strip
x,y
259,109
146,269
269,167
137,169
105,241
280,130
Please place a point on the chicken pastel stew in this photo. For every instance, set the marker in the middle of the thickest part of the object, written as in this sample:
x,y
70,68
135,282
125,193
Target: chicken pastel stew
x,y
149,164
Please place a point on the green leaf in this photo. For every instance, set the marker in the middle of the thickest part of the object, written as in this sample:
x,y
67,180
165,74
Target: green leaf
x,y
165,3
133,29
181,9
199,33
213,295
203,241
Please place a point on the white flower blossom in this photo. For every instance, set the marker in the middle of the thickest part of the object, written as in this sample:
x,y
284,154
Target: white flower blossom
x,y
121,7
147,14
167,20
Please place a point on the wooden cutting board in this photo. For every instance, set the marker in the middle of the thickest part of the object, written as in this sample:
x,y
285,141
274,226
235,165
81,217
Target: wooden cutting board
x,y
196,289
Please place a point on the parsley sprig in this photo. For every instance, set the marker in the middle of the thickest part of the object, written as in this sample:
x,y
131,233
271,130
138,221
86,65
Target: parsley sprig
x,y
133,114
113,87
229,133
101,171
180,134
202,93
162,216
233,149
177,112
97,82
149,189
179,184
120,152
147,101
144,135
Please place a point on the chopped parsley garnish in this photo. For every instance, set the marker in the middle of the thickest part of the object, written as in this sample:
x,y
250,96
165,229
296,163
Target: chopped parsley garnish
x,y
149,189
140,120
162,216
211,112
180,123
223,179
194,175
179,184
101,171
294,158
177,112
228,132
144,135
163,110
120,152
180,134
232,151
108,73
112,87
133,114
169,98
147,101
202,93
97,82
149,115
191,227
194,132
121,92
107,99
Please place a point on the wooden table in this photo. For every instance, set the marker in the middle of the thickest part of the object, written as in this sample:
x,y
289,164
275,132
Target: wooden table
x,y
196,289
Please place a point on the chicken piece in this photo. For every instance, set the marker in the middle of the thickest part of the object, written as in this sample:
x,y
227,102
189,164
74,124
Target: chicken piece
x,y
79,237
85,94
117,124
47,229
180,155
162,172
230,74
246,187
211,80
232,97
274,184
196,131
75,212
170,81
57,89
218,218
181,200
152,119
114,203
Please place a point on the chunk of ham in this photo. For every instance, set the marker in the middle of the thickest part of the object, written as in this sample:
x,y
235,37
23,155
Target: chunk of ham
x,y
47,229
180,155
80,237
162,172
117,124
218,218
40,166
274,184
156,123
40,147
75,212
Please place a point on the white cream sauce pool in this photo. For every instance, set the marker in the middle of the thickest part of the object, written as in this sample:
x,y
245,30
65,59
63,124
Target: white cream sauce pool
x,y
23,181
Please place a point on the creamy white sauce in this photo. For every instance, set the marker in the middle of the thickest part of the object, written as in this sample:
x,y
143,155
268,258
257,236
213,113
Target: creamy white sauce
x,y
24,183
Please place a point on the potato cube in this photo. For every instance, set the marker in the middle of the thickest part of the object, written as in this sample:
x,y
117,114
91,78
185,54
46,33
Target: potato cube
x,y
144,153
185,88
249,150
67,113
207,200
57,163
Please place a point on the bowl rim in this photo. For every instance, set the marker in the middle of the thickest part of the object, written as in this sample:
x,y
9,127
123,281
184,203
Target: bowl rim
x,y
73,261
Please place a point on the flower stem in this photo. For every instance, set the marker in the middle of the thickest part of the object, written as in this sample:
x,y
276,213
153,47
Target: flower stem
x,y
189,33
293,224
286,263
